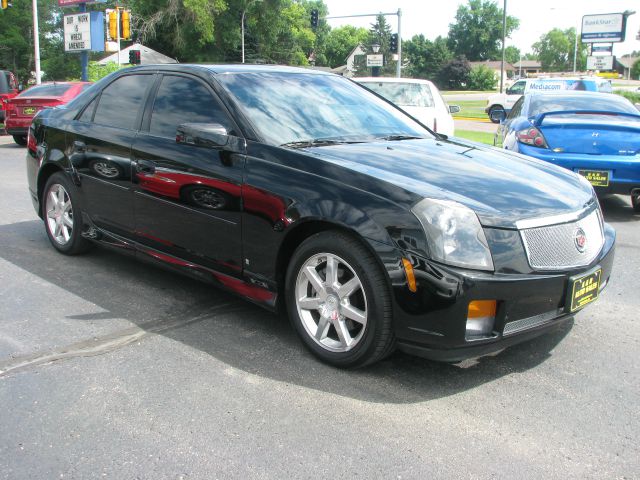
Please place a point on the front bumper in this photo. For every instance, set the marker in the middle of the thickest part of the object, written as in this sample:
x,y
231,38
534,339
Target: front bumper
x,y
624,170
432,322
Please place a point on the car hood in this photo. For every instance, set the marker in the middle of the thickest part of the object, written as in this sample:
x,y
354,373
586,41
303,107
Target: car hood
x,y
500,186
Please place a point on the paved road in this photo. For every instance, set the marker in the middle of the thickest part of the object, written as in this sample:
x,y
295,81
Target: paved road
x,y
114,369
475,126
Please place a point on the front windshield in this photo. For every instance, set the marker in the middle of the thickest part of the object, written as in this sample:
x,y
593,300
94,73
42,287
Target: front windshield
x,y
286,108
403,94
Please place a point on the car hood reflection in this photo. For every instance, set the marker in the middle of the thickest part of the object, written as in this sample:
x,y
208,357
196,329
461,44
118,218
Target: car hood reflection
x,y
501,187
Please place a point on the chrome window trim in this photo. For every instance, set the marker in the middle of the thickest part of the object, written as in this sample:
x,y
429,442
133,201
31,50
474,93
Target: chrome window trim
x,y
555,219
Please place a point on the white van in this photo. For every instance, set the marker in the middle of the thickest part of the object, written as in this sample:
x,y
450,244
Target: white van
x,y
419,98
499,104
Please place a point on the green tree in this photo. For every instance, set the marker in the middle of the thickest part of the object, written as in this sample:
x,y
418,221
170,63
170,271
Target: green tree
x,y
635,70
454,75
482,77
425,58
555,50
341,41
512,54
380,34
477,31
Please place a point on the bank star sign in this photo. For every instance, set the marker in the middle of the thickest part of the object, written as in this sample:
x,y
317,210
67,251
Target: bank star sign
x,y
77,32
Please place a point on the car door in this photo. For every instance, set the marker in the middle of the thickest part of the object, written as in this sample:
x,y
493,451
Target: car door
x,y
504,135
188,195
99,143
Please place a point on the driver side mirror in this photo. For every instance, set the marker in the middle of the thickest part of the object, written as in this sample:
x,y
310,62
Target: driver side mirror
x,y
454,108
208,135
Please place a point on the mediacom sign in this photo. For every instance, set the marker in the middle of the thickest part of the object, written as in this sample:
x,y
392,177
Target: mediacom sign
x,y
607,28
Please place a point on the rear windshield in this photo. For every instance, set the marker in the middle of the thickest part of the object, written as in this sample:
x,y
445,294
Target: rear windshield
x,y
559,103
53,90
403,94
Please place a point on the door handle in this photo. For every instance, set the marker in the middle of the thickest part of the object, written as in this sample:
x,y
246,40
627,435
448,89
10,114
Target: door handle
x,y
145,166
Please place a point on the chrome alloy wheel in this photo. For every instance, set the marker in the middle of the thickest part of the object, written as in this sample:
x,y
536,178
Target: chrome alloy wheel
x,y
331,302
106,170
59,214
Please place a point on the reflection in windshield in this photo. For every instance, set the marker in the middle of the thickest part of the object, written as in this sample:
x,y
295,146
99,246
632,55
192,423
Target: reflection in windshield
x,y
559,103
403,94
286,108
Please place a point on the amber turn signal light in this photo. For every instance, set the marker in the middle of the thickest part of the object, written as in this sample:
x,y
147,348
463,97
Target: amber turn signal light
x,y
411,278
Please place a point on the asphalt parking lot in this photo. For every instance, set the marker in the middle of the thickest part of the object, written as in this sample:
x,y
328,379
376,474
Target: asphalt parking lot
x,y
110,368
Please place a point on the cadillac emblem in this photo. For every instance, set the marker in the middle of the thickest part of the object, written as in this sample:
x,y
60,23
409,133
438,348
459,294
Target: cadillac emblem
x,y
580,240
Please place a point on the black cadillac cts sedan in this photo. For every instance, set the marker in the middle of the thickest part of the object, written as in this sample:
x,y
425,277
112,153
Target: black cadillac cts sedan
x,y
304,191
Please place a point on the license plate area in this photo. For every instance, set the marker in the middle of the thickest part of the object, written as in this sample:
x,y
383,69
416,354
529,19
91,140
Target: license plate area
x,y
29,110
597,178
583,290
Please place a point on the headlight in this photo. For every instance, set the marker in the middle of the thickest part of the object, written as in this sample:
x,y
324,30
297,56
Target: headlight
x,y
454,234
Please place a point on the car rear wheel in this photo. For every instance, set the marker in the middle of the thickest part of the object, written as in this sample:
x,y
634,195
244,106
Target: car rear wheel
x,y
20,139
339,302
496,114
62,216
635,202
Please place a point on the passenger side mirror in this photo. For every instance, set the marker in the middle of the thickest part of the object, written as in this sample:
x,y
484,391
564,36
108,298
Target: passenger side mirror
x,y
454,108
208,135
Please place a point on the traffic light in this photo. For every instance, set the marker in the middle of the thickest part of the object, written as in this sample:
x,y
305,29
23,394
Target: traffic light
x,y
314,18
125,28
4,4
393,43
135,57
113,24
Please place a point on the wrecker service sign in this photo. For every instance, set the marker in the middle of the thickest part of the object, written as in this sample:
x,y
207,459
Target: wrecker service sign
x,y
77,32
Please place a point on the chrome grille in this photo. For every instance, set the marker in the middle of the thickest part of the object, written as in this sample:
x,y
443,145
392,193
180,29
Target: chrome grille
x,y
553,247
530,322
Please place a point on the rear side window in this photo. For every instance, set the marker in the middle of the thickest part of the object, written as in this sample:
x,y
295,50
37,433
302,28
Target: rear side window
x,y
87,115
52,90
121,100
184,100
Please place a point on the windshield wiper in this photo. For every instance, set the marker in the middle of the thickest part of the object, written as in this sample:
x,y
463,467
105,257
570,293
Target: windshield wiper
x,y
394,138
316,142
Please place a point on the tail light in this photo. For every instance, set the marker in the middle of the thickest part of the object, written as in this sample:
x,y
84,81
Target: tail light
x,y
532,136
32,144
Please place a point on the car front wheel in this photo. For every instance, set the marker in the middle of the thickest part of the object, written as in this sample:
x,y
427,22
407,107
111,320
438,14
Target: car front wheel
x,y
339,302
62,216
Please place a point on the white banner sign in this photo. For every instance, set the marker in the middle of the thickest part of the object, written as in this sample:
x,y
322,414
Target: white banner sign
x,y
77,32
603,28
376,60
600,62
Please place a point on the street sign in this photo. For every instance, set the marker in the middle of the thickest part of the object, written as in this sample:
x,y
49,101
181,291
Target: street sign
x,y
84,32
602,49
71,3
605,28
600,62
375,60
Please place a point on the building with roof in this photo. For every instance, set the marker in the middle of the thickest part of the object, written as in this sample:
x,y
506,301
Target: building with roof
x,y
624,65
524,68
495,65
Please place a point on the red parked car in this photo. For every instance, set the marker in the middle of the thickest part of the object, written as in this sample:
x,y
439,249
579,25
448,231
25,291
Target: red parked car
x,y
21,109
8,89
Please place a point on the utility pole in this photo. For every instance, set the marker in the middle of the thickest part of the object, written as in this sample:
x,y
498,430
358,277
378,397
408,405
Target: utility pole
x,y
36,41
504,35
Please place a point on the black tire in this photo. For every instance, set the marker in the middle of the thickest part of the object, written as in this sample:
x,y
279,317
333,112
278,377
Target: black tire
x,y
496,113
76,243
377,339
635,202
20,140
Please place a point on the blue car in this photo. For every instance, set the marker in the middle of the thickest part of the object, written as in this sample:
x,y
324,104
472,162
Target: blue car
x,y
594,134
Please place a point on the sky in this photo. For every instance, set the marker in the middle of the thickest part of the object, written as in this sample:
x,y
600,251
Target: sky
x,y
432,18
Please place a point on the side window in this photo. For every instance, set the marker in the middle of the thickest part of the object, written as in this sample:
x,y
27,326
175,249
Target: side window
x,y
121,100
87,115
184,100
517,88
517,108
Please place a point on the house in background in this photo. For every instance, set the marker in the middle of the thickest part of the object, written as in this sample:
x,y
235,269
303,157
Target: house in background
x,y
527,67
495,65
624,65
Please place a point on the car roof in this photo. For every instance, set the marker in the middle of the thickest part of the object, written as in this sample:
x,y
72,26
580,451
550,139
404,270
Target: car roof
x,y
392,80
230,68
568,93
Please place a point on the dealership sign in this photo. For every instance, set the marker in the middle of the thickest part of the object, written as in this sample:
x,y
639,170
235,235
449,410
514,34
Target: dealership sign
x,y
376,60
605,28
600,62
84,32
